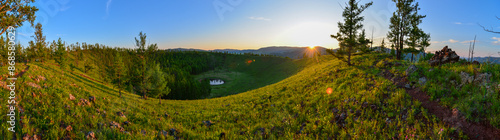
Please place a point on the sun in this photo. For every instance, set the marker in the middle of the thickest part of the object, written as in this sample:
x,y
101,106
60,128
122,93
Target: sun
x,y
310,34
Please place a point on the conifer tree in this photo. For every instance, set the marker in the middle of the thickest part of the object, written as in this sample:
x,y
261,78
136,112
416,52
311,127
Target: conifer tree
x,y
403,21
156,82
60,54
351,39
119,73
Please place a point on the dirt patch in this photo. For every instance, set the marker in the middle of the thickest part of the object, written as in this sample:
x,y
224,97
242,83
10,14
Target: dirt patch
x,y
452,117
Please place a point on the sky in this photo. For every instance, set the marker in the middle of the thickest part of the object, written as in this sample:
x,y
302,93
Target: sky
x,y
253,24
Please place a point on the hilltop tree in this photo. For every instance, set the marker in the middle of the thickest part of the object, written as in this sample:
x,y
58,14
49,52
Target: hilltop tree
x,y
38,49
350,41
143,56
15,12
61,54
403,22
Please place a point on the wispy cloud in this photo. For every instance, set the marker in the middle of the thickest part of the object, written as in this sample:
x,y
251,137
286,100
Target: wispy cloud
x,y
458,23
436,42
467,41
259,18
453,41
64,8
497,40
107,6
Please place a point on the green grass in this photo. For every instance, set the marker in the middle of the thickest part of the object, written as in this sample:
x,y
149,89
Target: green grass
x,y
240,76
363,106
478,103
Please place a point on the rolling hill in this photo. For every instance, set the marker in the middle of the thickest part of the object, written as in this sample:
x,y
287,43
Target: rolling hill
x,y
324,99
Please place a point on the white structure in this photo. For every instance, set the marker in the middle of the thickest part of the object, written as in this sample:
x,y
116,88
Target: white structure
x,y
216,82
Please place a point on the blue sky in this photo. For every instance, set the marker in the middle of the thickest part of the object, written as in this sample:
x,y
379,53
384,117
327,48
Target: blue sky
x,y
251,24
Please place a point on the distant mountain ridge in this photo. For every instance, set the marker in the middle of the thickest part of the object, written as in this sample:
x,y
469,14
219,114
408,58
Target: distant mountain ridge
x,y
283,51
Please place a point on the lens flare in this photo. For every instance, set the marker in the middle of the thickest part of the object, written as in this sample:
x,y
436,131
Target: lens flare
x,y
329,91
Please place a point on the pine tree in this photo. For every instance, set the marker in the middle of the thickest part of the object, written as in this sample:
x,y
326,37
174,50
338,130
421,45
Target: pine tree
x,y
144,56
425,42
119,73
156,82
15,12
350,41
60,54
403,21
40,46
382,46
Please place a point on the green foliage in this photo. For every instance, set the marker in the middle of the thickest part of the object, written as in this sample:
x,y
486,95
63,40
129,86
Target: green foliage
x,y
156,82
61,54
404,25
15,12
350,41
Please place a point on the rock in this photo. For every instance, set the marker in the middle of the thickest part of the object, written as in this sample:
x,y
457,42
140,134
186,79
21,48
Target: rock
x,y
116,125
71,97
166,115
411,69
143,132
83,102
90,136
422,80
482,79
31,84
466,78
164,133
173,131
126,123
407,86
40,78
208,123
444,56
92,98
431,69
120,114
68,128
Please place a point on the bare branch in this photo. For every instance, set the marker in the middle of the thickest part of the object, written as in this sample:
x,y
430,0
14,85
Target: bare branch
x,y
489,30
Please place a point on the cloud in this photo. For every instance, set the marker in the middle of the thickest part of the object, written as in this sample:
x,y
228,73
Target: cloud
x,y
259,18
453,41
467,41
107,6
435,42
497,40
64,8
458,23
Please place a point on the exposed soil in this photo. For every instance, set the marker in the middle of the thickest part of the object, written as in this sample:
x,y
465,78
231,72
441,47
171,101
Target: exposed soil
x,y
22,72
452,117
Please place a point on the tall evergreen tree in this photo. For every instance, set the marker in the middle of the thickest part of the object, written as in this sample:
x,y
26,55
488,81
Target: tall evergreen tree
x,y
39,46
119,73
144,54
61,54
403,21
350,40
425,42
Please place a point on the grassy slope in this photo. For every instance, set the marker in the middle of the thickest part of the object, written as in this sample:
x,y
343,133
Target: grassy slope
x,y
241,76
363,105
